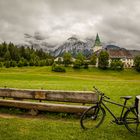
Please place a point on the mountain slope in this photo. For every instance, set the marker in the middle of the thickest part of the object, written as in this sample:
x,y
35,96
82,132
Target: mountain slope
x,y
75,46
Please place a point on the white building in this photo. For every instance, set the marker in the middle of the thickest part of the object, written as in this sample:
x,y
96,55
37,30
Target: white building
x,y
122,55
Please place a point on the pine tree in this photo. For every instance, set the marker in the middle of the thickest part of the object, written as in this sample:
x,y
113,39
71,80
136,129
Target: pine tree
x,y
7,55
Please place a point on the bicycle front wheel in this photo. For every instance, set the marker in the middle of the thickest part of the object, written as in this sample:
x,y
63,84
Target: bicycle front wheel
x,y
131,120
92,117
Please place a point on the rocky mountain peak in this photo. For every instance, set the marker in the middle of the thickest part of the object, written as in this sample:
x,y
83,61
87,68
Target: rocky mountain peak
x,y
74,46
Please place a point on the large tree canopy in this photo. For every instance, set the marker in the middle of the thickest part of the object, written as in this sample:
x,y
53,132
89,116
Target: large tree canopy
x,y
103,60
67,58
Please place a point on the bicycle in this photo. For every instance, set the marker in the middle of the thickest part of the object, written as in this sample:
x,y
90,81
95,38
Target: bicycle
x,y
95,115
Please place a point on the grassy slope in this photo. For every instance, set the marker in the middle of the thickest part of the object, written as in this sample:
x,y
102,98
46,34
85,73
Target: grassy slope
x,y
114,84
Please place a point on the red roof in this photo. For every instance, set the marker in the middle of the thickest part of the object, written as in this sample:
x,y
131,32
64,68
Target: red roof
x,y
121,53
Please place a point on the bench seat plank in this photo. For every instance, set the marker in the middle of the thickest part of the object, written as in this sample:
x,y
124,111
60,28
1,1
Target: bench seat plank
x,y
44,106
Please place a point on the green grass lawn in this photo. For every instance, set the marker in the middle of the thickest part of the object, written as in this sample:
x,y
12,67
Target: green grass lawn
x,y
114,84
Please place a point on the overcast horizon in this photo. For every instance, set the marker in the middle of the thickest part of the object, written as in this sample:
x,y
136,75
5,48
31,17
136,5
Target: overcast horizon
x,y
115,21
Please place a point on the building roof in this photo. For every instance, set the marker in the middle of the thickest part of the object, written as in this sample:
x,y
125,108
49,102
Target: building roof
x,y
62,59
121,53
58,58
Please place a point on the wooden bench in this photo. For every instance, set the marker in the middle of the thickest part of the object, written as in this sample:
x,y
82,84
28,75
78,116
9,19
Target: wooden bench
x,y
51,100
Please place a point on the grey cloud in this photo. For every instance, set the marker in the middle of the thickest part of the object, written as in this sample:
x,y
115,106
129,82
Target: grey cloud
x,y
56,20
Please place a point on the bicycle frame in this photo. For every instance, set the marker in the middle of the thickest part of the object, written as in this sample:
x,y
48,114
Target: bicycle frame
x,y
117,119
94,116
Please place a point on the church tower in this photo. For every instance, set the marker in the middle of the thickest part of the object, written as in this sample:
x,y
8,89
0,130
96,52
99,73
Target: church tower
x,y
97,45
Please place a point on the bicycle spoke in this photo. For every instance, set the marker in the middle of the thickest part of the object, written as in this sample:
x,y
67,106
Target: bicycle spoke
x,y
92,120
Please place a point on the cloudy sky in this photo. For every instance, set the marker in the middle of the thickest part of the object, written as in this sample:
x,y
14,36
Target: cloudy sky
x,y
116,21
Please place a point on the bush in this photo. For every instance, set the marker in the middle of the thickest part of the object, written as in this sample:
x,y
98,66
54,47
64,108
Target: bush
x,y
7,64
42,63
85,65
25,62
31,63
58,68
49,62
116,65
93,59
77,64
36,63
1,64
13,63
137,63
20,63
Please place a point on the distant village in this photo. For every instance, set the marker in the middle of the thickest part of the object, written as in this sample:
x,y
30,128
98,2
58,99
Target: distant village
x,y
115,53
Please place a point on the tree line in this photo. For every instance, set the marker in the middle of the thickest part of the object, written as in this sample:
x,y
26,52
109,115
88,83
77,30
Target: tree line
x,y
100,60
12,56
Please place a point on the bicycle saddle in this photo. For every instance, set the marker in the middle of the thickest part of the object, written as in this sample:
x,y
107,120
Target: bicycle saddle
x,y
126,97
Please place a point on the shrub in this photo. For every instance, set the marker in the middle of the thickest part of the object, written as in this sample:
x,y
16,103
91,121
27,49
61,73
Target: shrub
x,y
58,68
25,62
116,65
77,64
13,63
20,63
49,62
93,59
85,65
7,64
1,64
137,63
36,63
31,63
42,62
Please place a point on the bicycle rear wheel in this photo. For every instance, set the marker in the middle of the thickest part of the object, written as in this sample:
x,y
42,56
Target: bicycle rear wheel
x,y
92,117
131,120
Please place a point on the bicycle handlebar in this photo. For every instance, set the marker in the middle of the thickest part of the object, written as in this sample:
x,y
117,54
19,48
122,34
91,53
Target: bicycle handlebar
x,y
101,93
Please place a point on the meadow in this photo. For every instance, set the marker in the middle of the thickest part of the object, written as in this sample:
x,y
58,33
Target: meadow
x,y
112,83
